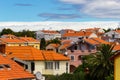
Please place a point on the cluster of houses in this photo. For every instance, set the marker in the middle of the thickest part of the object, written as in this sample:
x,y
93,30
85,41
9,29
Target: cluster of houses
x,y
21,57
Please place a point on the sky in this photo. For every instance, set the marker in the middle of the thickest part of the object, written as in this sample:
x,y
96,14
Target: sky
x,y
59,10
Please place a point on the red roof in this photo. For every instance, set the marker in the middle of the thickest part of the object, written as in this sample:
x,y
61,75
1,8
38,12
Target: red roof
x,y
77,34
30,53
116,47
29,39
96,41
50,31
13,71
14,40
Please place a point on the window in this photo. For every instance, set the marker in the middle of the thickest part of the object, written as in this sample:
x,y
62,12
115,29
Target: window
x,y
75,47
72,58
79,57
48,65
57,65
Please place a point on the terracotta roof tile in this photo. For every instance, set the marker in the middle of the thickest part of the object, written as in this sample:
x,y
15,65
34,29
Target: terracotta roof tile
x,y
29,39
96,41
77,34
51,55
116,47
101,41
118,31
55,45
49,31
14,40
91,41
63,46
14,72
30,53
24,52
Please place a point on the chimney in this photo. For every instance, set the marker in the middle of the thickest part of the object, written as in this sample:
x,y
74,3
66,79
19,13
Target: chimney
x,y
2,48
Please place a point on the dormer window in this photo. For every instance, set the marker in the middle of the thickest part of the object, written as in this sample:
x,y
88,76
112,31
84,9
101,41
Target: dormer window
x,y
7,66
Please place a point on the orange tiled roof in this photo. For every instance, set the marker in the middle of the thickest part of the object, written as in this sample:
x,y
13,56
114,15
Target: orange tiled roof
x,y
14,72
77,34
66,41
51,55
28,39
101,41
30,53
118,31
96,41
116,47
24,52
91,29
8,40
91,41
65,44
48,31
55,45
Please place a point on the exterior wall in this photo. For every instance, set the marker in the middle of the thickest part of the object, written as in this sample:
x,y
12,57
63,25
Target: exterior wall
x,y
62,68
16,44
101,30
39,35
35,45
47,36
40,66
74,38
117,68
51,48
117,35
93,36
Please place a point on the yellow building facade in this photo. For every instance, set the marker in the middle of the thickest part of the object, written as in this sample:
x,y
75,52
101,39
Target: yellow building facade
x,y
11,40
117,67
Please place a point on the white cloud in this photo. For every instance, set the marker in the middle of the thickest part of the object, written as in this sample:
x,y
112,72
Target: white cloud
x,y
98,8
74,1
35,26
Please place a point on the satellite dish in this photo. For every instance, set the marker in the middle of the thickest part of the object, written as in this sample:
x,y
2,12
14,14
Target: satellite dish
x,y
38,75
66,53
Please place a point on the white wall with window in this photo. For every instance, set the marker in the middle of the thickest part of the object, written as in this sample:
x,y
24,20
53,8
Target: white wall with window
x,y
52,67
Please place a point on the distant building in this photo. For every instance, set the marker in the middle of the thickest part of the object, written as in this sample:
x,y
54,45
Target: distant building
x,y
112,36
47,34
76,49
63,31
12,40
78,35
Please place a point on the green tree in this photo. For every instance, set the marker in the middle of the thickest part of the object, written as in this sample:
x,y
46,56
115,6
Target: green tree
x,y
55,41
42,44
102,66
27,33
7,31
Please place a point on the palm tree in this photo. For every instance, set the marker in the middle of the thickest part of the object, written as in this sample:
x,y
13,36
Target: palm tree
x,y
102,66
